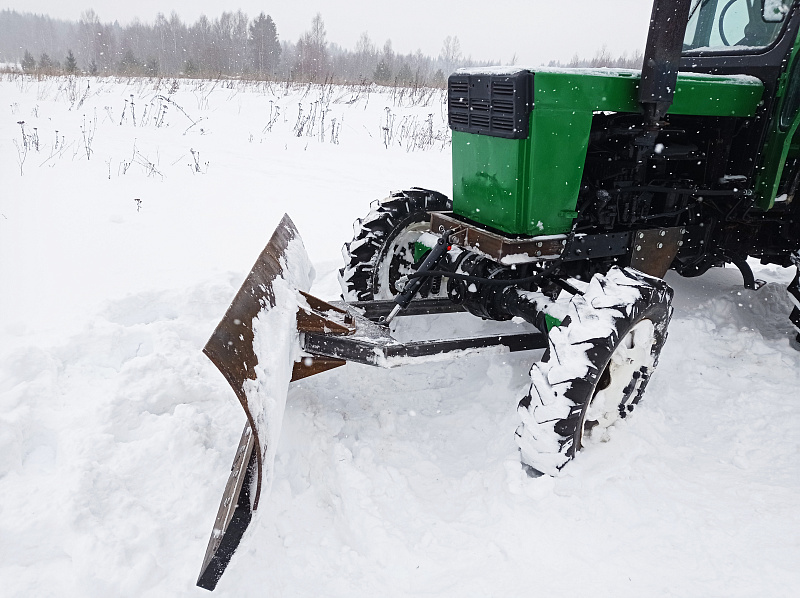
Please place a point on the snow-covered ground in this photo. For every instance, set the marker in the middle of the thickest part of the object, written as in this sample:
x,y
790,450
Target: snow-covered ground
x,y
122,243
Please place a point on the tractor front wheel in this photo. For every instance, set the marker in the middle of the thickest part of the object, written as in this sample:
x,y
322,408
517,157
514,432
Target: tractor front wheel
x,y
595,369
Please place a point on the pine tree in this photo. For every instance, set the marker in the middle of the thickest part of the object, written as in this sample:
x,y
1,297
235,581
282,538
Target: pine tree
x,y
129,65
265,49
151,67
383,73
44,62
405,76
70,64
385,69
28,62
190,68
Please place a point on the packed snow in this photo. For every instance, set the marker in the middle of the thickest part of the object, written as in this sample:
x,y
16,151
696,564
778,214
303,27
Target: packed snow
x,y
127,226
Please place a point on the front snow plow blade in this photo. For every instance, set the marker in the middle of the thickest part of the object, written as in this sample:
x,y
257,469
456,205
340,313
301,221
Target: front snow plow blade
x,y
255,346
275,332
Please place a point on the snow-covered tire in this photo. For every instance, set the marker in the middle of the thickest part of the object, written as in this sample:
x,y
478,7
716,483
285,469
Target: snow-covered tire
x,y
382,249
794,296
596,367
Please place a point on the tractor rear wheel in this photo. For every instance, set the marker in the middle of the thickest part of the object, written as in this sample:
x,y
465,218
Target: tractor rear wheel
x,y
595,369
382,249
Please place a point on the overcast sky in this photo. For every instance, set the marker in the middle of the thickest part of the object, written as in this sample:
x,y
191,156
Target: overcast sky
x,y
534,30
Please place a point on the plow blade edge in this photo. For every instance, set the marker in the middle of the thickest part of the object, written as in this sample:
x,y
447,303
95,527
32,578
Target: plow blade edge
x,y
256,347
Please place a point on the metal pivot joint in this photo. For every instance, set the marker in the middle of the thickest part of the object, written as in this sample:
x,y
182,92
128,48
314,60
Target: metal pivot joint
x,y
431,262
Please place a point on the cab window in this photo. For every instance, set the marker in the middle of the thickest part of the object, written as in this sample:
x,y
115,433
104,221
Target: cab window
x,y
721,25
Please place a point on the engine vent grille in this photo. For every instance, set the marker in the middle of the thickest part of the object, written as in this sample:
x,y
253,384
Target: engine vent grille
x,y
488,104
460,87
503,123
502,88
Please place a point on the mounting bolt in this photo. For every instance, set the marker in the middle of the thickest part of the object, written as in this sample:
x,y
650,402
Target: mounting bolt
x,y
663,232
680,243
660,245
638,248
641,235
538,253
683,231
539,244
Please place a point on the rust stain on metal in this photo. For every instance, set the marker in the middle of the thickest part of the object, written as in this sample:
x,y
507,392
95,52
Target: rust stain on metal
x,y
310,366
655,249
230,347
322,317
494,244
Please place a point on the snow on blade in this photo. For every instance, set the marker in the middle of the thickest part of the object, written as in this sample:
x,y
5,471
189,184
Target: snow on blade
x,y
276,345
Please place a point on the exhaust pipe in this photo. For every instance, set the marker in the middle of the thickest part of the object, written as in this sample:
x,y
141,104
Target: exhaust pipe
x,y
662,56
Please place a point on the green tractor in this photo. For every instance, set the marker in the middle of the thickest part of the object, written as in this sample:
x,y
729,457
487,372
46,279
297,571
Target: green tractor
x,y
574,192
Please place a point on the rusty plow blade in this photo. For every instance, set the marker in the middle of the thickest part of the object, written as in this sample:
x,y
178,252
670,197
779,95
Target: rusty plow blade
x,y
256,347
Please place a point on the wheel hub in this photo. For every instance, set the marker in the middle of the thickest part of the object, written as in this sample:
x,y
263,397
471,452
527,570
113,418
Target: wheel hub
x,y
617,388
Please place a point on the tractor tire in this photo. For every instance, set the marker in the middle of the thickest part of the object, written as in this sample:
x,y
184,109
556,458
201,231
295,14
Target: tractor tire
x,y
382,249
595,369
794,296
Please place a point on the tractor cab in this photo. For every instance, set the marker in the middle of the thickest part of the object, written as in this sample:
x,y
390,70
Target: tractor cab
x,y
756,38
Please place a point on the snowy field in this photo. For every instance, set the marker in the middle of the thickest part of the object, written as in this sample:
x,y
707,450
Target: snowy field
x,y
126,227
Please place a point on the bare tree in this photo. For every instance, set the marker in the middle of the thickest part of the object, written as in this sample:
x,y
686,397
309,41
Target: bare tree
x,y
89,29
312,51
200,55
450,54
239,41
365,56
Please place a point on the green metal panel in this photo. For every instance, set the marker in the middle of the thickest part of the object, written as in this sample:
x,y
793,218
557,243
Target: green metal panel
x,y
558,153
714,95
780,139
617,91
530,186
491,178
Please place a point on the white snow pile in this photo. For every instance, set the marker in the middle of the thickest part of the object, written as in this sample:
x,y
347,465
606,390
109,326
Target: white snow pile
x,y
122,243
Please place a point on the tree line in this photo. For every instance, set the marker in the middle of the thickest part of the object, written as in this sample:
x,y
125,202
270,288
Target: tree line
x,y
230,45
603,58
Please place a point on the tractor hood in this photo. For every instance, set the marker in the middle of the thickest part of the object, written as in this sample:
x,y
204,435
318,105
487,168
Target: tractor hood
x,y
520,135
